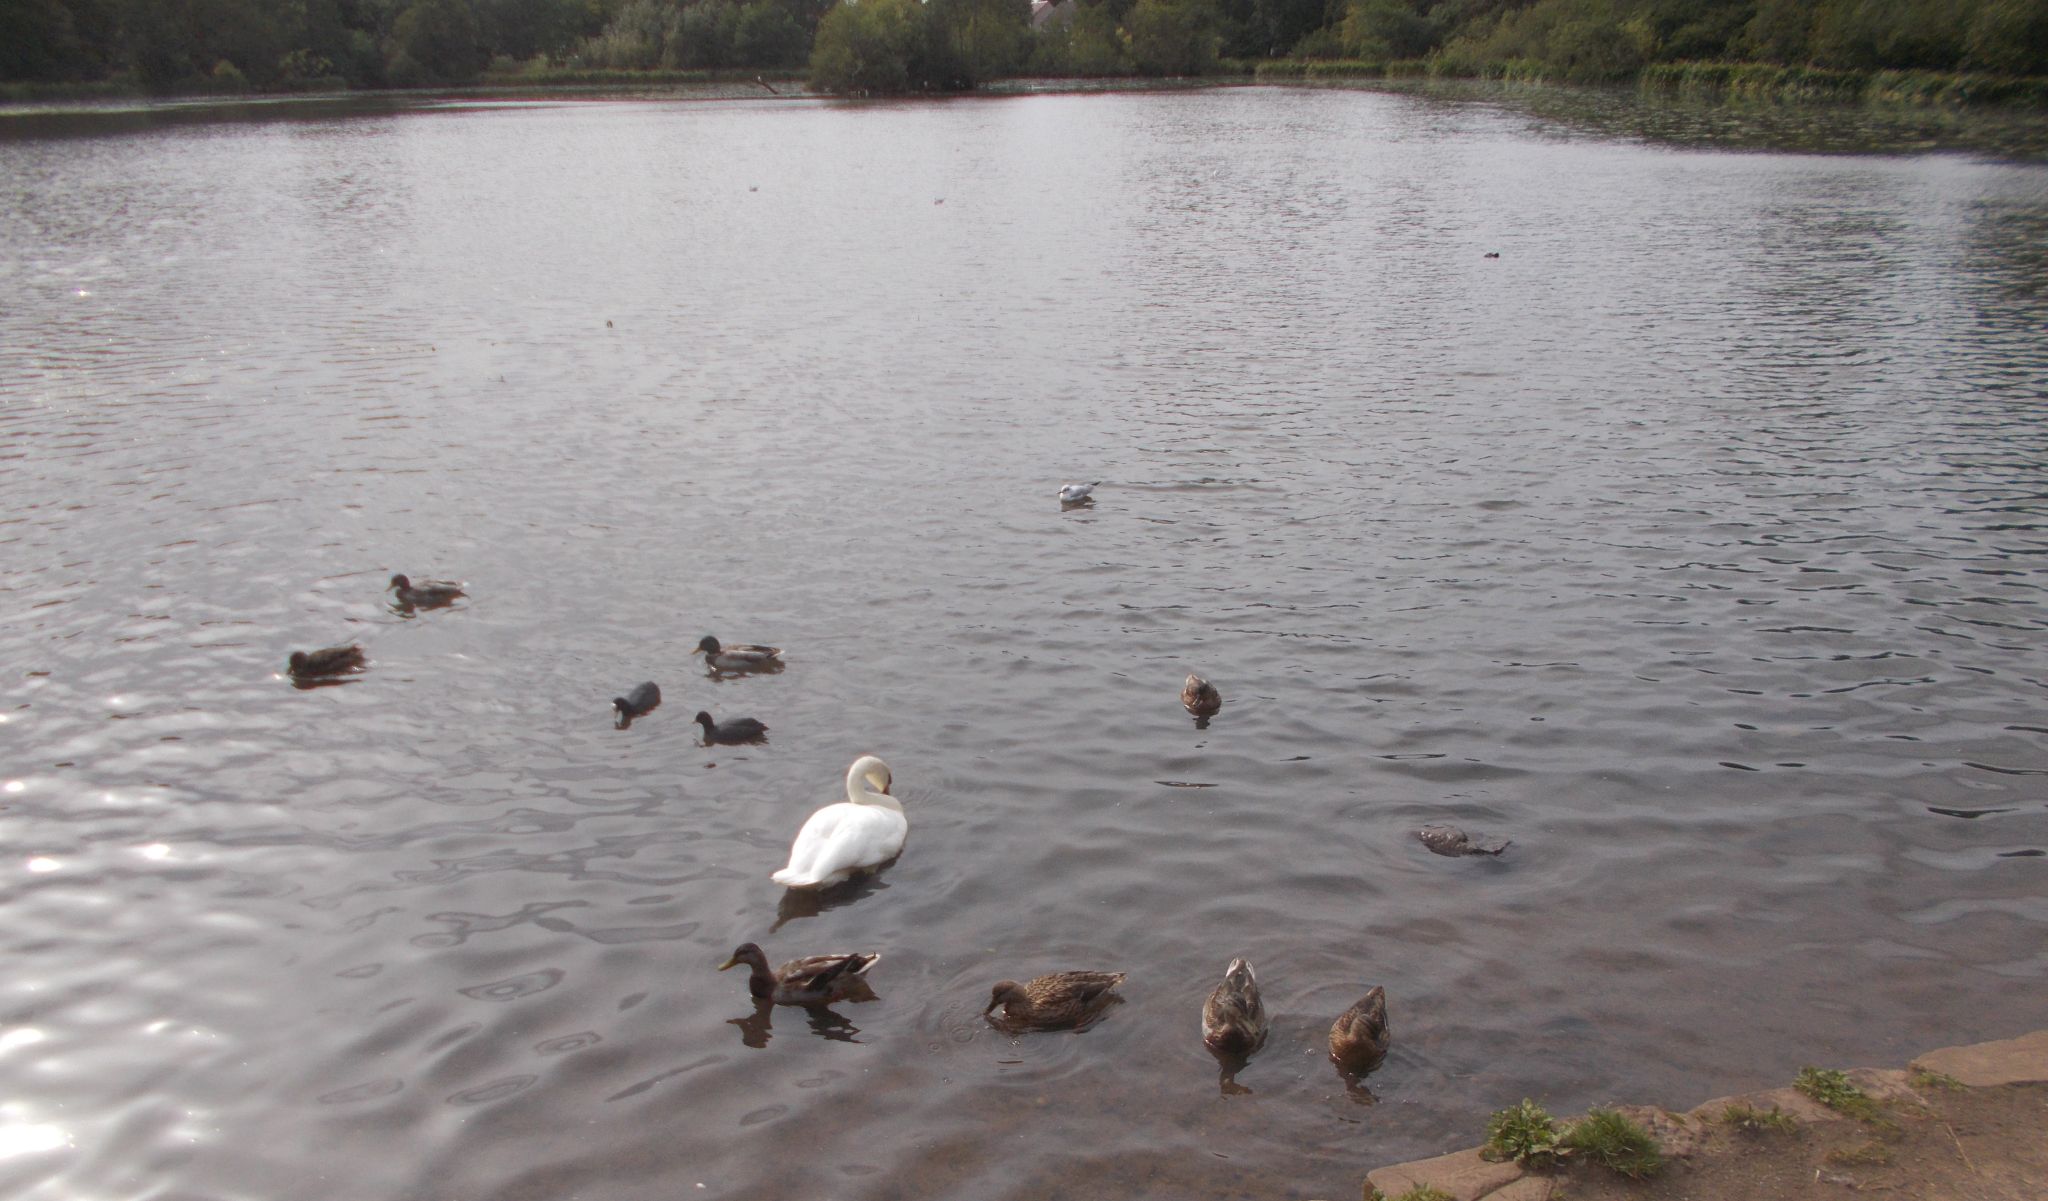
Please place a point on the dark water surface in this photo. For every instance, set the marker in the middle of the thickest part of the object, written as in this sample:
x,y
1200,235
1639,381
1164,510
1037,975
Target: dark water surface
x,y
1696,544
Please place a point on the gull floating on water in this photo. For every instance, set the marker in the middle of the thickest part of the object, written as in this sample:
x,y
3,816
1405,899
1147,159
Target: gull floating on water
x,y
1074,494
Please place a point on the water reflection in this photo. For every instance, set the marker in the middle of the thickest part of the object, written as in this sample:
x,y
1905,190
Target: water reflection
x,y
756,1029
799,903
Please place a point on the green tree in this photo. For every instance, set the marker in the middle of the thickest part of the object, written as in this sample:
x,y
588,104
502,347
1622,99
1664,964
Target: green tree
x,y
1281,24
1085,44
523,29
704,35
1868,34
868,46
1781,31
768,35
43,40
436,42
1173,37
968,42
1382,30
2010,36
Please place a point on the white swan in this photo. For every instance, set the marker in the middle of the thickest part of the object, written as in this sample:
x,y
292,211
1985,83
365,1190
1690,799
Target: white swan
x,y
865,830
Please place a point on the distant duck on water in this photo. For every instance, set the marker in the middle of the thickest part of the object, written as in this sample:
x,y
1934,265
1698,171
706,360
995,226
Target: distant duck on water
x,y
426,594
1200,698
738,657
732,732
326,662
641,701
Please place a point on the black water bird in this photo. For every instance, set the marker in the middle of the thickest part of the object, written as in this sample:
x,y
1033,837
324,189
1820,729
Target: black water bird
x,y
637,703
328,661
733,732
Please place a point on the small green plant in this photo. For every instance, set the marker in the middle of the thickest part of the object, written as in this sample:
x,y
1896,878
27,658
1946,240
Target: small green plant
x,y
1523,1133
1615,1142
1751,1120
1425,1192
1833,1088
1922,1078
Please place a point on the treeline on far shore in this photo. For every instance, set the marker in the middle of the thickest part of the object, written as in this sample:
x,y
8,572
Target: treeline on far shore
x,y
1925,51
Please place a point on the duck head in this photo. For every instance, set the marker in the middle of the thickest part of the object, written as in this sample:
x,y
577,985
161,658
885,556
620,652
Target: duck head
x,y
1003,993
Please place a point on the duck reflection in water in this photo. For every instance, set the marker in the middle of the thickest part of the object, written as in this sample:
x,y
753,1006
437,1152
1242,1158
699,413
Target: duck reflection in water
x,y
757,1027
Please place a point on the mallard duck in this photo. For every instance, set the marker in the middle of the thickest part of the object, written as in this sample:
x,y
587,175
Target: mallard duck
x,y
427,594
1074,494
812,980
733,732
861,832
1234,1018
1359,1037
1199,697
328,661
642,700
742,657
1058,1001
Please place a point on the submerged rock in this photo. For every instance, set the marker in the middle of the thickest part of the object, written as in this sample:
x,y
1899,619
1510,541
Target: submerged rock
x,y
1450,840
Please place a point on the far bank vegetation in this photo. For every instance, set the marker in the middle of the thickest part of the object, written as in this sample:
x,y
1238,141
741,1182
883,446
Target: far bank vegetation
x,y
1915,51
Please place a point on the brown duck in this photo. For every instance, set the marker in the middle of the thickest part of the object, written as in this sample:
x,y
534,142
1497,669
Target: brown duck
x,y
1234,1018
1059,1001
1359,1037
812,980
1199,697
328,661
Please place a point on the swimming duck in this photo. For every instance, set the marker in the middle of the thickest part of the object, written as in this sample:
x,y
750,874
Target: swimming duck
x,y
328,661
1234,1018
742,657
427,594
863,831
1199,697
1074,494
1359,1037
638,702
1059,1001
738,730
812,980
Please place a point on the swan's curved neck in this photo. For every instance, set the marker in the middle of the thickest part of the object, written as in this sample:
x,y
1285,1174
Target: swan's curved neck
x,y
859,792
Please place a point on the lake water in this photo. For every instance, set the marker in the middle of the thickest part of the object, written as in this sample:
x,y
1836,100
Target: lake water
x,y
1696,544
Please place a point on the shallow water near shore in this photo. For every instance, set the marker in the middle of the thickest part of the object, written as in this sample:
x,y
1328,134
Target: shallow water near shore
x,y
1695,544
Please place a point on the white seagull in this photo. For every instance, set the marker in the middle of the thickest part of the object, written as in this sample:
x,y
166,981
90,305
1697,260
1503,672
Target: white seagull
x,y
1073,494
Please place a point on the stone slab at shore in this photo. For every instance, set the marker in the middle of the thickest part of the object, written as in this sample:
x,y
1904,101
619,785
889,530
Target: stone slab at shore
x,y
1963,1123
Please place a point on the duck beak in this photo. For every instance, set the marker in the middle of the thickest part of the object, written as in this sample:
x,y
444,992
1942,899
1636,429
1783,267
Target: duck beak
x,y
696,650
728,963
